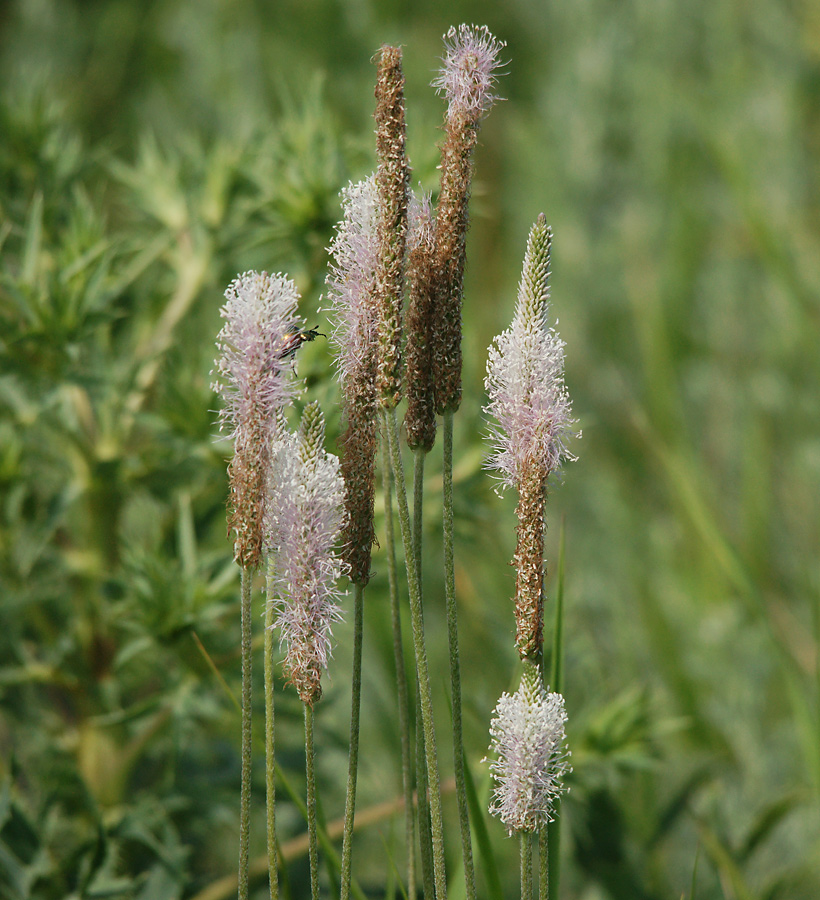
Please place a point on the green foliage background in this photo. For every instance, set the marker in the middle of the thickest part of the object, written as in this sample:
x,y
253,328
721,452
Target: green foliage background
x,y
151,150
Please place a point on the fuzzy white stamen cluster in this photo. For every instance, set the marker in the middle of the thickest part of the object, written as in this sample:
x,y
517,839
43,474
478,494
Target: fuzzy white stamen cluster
x,y
527,732
259,310
303,523
468,75
525,377
351,280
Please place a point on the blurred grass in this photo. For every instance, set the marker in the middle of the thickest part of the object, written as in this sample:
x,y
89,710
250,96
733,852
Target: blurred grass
x,y
148,152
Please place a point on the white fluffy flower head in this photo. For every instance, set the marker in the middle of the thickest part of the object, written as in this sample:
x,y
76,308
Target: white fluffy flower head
x,y
252,374
254,381
468,76
351,279
525,377
303,524
531,759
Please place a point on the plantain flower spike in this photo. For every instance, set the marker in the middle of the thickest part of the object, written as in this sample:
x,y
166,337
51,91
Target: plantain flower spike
x,y
303,524
255,384
467,78
392,187
533,422
420,418
467,81
530,755
351,285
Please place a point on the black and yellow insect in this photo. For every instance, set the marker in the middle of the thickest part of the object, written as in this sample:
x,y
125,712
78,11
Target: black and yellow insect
x,y
293,339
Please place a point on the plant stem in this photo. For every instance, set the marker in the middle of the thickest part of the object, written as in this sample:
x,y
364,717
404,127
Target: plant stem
x,y
417,619
245,789
526,866
455,670
353,759
425,834
270,746
313,852
552,832
419,457
543,864
401,676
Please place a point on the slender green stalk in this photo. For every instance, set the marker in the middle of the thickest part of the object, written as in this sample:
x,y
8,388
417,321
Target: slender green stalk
x,y
353,759
556,681
270,746
552,832
417,618
455,669
313,851
543,864
526,866
401,676
419,457
425,833
245,789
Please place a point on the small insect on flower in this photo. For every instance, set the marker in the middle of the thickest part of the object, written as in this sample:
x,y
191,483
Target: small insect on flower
x,y
293,339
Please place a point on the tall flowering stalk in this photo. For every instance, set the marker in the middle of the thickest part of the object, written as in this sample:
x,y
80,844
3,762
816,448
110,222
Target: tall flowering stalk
x,y
436,270
392,180
303,525
253,381
533,422
351,288
467,81
393,195
420,428
351,284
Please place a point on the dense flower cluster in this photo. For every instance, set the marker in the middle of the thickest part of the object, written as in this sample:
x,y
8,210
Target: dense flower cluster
x,y
468,75
420,418
351,285
466,80
392,186
531,759
525,377
259,312
253,380
354,253
303,522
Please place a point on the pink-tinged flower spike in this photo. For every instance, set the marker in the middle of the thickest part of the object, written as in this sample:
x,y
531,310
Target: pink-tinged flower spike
x,y
466,80
531,759
469,73
525,376
254,381
303,524
529,401
351,284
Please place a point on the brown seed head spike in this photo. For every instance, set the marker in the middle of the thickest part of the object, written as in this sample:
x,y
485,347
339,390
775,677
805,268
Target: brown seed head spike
x,y
420,419
246,502
466,80
529,562
358,465
355,334
452,220
392,185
